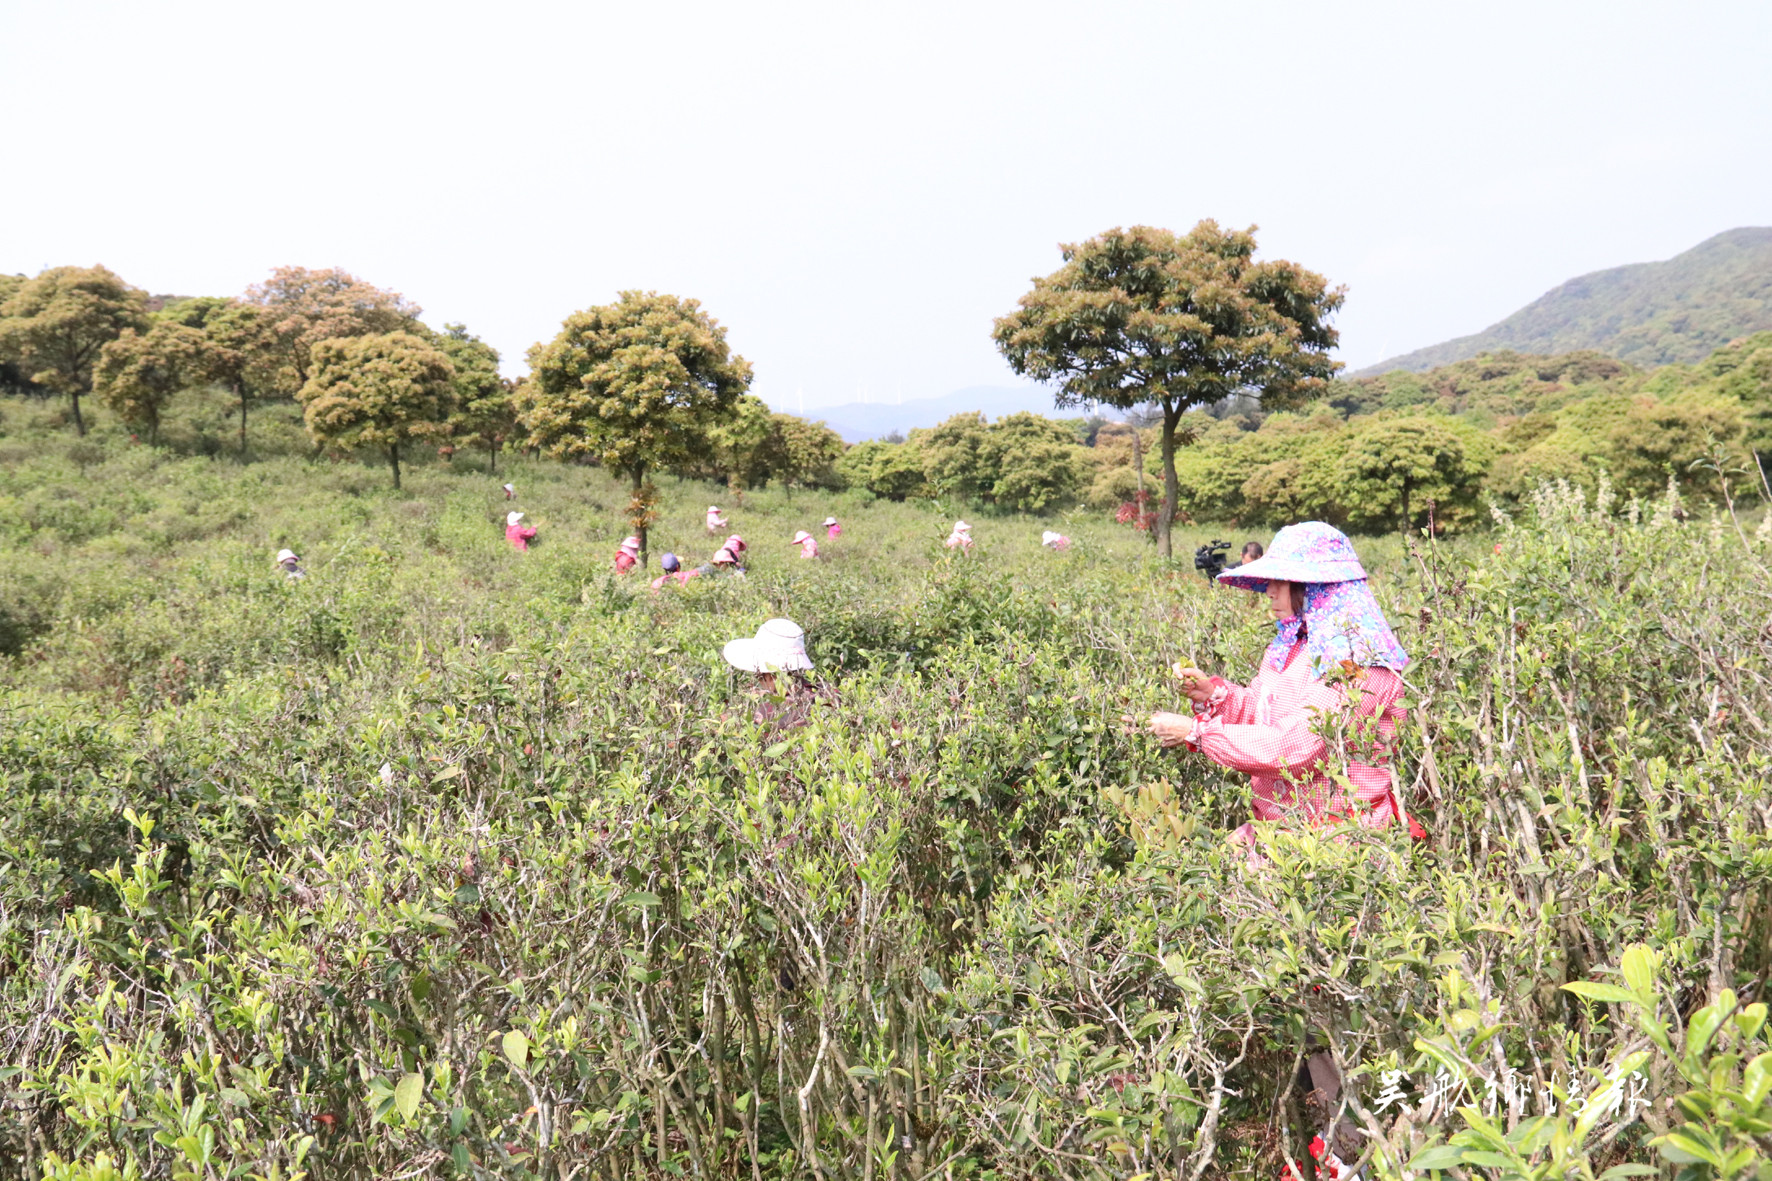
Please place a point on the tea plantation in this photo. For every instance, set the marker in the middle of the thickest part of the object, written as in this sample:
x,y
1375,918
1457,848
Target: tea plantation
x,y
455,861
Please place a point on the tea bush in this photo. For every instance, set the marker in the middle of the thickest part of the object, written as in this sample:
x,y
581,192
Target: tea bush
x,y
453,861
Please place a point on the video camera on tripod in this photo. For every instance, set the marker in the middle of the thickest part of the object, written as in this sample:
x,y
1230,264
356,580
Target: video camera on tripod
x,y
1209,558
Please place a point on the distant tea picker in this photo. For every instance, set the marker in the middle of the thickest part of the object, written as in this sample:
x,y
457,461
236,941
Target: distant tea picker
x,y
716,519
516,532
627,555
960,538
290,565
808,544
1331,672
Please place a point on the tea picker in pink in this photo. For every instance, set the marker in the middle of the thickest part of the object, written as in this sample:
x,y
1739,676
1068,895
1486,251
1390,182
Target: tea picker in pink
x,y
808,544
627,556
516,532
1331,672
832,530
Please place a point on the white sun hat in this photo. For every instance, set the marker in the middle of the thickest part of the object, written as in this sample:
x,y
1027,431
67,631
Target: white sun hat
x,y
632,543
1049,537
510,488
802,535
830,520
778,646
962,527
512,517
287,555
713,508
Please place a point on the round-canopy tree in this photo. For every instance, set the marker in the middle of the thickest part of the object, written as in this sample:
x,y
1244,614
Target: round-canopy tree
x,y
378,391
637,384
1395,469
1144,316
53,326
483,410
242,348
138,373
303,307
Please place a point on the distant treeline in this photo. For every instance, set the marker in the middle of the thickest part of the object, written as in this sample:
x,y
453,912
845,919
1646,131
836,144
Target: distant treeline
x,y
1372,453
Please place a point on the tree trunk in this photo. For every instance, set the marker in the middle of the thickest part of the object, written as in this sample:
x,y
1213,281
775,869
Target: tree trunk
x,y
394,459
639,470
1171,484
1138,466
79,422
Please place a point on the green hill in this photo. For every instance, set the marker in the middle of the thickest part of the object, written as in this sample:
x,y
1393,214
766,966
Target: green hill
x,y
1651,313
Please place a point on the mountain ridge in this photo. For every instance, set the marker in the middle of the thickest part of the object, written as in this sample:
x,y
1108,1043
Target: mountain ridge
x,y
1680,309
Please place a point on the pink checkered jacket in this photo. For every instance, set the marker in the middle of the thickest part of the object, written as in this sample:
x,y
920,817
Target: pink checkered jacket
x,y
1288,729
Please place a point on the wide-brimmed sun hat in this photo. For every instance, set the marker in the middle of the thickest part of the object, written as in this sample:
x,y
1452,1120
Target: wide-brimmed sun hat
x,y
510,488
962,527
1049,537
725,557
778,646
1307,552
830,520
802,535
670,563
736,544
512,517
713,508
287,555
630,543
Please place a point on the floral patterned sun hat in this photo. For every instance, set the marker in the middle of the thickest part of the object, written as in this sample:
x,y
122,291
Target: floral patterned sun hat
x,y
1307,552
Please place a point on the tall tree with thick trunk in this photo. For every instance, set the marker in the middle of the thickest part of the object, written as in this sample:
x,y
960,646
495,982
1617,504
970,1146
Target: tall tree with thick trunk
x,y
637,384
1146,317
54,326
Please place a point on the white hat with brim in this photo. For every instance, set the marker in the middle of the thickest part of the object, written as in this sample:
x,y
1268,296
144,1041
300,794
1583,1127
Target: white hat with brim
x,y
778,646
802,535
287,555
713,508
962,527
724,556
1310,551
630,543
830,520
510,487
512,517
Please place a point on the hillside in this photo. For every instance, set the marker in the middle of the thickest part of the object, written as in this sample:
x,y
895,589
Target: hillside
x,y
448,860
1652,313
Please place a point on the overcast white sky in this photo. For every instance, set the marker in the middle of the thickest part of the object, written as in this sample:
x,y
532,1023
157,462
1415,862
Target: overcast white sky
x,y
856,190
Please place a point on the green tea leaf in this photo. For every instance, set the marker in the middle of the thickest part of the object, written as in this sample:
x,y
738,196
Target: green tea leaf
x,y
1638,965
516,1048
1440,1156
1595,991
407,1093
